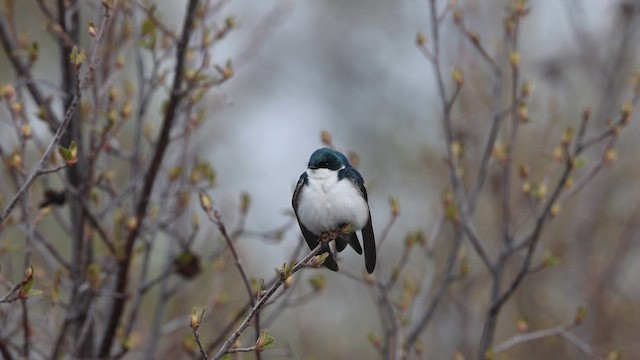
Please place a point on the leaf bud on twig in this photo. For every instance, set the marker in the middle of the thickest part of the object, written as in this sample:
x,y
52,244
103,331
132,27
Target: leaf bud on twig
x,y
458,77
421,39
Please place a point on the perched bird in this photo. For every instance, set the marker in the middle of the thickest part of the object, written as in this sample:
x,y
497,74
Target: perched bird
x,y
331,195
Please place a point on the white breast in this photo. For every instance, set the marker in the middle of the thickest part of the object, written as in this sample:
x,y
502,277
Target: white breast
x,y
325,203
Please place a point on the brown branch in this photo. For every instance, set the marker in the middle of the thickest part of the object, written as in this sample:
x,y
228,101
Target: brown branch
x,y
23,70
562,331
418,326
175,98
68,116
26,329
456,182
196,335
533,335
215,217
263,300
474,39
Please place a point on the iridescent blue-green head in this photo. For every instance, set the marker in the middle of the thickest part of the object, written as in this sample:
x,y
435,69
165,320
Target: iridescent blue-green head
x,y
326,158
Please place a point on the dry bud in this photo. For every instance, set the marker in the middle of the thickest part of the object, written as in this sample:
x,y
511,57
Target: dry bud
x,y
523,171
419,348
8,91
354,159
527,87
555,210
514,59
318,283
245,201
523,112
614,355
421,39
474,37
509,26
581,314
568,184
456,149
374,339
126,110
205,202
410,239
558,154
567,137
457,76
499,153
541,190
15,160
194,321
520,7
288,282
93,30
28,272
132,223
522,324
457,16
326,138
610,156
26,130
626,111
394,205
120,62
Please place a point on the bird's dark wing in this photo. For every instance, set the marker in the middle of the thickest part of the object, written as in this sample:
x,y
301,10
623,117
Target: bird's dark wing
x,y
368,238
309,237
369,241
341,243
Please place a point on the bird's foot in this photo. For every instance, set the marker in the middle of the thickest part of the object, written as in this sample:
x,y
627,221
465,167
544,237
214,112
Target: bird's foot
x,y
329,236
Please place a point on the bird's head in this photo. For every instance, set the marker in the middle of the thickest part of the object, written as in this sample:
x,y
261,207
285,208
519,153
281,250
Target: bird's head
x,y
326,158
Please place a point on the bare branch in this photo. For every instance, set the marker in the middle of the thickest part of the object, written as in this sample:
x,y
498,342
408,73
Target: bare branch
x,y
263,300
37,168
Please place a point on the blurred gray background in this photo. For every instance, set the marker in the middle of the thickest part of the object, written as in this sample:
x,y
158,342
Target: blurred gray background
x,y
351,67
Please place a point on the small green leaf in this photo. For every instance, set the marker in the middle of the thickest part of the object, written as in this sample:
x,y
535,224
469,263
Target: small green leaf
x,y
245,202
581,314
264,340
34,51
551,260
34,292
318,283
201,315
579,162
77,57
29,284
394,204
206,202
319,259
70,154
148,27
74,55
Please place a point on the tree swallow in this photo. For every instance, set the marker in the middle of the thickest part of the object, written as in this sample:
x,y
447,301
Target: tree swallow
x,y
331,195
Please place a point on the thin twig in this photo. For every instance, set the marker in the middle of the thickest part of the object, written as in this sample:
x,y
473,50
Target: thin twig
x,y
215,217
263,300
37,168
203,352
560,331
170,114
